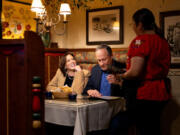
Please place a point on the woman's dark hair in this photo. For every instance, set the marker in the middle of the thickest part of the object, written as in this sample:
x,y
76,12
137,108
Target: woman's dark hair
x,y
62,62
146,17
109,50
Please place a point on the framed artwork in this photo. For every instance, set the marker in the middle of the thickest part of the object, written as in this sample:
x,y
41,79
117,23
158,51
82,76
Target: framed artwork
x,y
170,24
104,26
26,2
16,18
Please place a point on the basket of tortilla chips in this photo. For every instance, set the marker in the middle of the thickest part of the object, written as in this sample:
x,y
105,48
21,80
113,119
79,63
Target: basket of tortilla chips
x,y
62,92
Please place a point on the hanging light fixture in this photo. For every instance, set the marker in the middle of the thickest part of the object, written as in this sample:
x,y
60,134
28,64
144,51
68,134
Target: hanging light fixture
x,y
48,21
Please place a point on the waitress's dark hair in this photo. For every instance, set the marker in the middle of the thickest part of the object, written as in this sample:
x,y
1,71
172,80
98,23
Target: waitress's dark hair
x,y
62,62
146,17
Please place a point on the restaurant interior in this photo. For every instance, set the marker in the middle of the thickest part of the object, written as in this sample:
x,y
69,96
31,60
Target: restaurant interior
x,y
35,34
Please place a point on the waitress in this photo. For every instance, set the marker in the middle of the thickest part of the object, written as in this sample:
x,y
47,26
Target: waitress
x,y
148,61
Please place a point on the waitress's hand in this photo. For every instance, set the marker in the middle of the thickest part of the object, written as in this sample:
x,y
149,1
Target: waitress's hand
x,y
119,78
94,93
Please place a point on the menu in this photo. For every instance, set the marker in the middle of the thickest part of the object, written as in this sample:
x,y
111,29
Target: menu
x,y
107,98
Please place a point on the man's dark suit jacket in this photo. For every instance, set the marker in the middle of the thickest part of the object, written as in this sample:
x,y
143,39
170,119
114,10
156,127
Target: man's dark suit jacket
x,y
94,81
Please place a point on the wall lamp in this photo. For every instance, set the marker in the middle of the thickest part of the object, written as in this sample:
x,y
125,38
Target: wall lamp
x,y
48,21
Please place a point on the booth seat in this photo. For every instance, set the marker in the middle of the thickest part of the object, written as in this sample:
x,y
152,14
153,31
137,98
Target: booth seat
x,y
88,59
85,57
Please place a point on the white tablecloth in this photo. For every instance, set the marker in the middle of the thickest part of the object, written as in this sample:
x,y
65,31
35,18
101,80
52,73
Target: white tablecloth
x,y
85,115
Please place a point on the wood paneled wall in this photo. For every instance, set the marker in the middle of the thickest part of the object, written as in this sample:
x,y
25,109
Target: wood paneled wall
x,y
20,61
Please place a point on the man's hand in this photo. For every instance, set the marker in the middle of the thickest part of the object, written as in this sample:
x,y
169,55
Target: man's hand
x,y
94,93
114,79
111,79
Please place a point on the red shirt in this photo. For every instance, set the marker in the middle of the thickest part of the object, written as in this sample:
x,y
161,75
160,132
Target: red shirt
x,y
156,53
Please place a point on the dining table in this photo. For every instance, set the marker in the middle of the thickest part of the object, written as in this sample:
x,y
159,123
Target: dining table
x,y
85,114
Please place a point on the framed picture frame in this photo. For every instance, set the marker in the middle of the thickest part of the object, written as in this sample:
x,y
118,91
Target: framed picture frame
x,y
170,25
26,2
105,26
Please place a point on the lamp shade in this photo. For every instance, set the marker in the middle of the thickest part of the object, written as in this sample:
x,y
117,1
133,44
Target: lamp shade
x,y
116,25
37,6
65,9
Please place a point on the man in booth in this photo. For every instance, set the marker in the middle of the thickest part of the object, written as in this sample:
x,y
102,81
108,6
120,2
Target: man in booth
x,y
102,82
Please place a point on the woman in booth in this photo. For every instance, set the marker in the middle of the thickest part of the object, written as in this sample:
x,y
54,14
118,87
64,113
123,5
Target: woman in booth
x,y
148,61
70,74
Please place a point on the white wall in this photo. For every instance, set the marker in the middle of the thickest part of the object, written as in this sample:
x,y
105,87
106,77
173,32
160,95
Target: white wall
x,y
76,30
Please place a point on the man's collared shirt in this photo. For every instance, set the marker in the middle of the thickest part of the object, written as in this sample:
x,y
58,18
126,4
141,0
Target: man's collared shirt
x,y
105,88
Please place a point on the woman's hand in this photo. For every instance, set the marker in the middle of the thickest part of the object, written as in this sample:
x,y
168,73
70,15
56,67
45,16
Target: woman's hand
x,y
77,68
94,93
